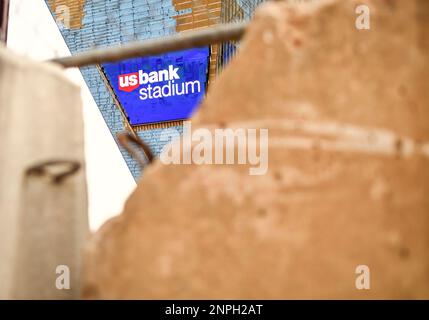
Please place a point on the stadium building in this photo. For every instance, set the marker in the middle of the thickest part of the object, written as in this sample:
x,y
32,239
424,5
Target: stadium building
x,y
145,95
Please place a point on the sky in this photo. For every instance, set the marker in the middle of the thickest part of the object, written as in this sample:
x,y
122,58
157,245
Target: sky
x,y
33,33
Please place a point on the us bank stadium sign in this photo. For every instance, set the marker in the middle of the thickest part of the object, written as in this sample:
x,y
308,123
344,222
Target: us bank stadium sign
x,y
160,88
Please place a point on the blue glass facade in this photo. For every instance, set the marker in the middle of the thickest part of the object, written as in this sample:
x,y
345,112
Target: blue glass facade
x,y
87,24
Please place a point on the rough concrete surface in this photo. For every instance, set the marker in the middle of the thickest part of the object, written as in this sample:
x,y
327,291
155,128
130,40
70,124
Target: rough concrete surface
x,y
43,223
347,182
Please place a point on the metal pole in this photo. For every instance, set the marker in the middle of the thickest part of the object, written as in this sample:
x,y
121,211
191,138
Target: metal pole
x,y
181,41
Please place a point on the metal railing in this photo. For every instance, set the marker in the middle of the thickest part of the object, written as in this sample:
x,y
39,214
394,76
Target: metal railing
x,y
186,40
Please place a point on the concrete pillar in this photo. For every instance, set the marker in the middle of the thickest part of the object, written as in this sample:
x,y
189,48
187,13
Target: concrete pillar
x,y
43,204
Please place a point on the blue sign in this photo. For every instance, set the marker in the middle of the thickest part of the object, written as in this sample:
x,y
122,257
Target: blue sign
x,y
160,88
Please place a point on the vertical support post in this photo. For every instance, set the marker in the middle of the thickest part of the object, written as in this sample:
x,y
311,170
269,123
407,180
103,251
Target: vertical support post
x,y
43,202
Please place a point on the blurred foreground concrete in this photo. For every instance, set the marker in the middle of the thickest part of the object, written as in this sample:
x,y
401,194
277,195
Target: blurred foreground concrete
x,y
347,183
43,205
